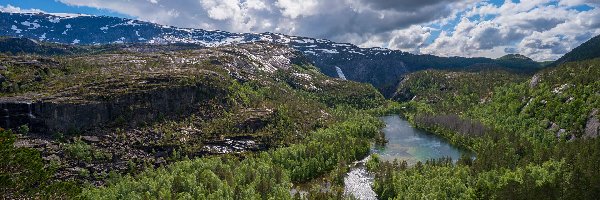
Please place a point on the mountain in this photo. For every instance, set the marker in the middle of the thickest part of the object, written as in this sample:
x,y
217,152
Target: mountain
x,y
520,126
128,107
379,66
24,45
585,51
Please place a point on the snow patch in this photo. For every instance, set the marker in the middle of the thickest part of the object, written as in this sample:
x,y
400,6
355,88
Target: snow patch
x,y
356,52
31,25
310,52
14,28
333,51
304,41
54,19
133,23
69,15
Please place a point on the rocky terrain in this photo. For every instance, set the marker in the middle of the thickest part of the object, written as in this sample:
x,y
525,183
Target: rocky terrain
x,y
379,66
116,109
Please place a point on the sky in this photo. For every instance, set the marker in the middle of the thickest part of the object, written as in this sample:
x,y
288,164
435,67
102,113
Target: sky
x,y
540,29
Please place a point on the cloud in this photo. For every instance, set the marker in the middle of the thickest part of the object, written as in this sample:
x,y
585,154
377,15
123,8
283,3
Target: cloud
x,y
297,8
540,29
12,9
360,21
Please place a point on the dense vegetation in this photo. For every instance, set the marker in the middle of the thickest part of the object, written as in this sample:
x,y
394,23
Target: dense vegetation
x,y
305,127
261,176
533,139
23,172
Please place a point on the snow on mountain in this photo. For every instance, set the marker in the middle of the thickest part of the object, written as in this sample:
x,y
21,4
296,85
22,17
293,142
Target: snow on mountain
x,y
90,30
378,66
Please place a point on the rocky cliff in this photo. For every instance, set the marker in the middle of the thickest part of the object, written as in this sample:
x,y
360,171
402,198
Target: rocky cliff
x,y
79,93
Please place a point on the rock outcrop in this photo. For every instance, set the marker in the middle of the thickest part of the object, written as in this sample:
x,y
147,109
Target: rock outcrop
x,y
129,109
592,127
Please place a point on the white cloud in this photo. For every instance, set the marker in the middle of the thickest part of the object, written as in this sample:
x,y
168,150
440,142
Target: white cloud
x,y
222,9
296,8
408,40
540,29
579,2
12,9
361,21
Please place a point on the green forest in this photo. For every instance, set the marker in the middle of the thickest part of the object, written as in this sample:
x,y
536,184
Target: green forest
x,y
533,136
529,136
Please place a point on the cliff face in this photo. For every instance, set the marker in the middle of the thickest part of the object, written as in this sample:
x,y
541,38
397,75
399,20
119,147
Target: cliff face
x,y
52,117
78,93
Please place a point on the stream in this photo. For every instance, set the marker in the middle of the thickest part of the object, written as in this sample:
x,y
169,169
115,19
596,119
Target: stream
x,y
404,143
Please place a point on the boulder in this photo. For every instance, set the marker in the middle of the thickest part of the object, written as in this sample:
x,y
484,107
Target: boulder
x,y
535,80
93,139
592,127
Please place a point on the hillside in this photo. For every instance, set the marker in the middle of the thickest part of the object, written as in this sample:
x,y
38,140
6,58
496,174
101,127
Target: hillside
x,y
534,137
91,117
587,50
378,66
453,90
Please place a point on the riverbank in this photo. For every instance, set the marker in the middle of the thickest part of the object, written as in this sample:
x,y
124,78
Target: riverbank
x,y
405,144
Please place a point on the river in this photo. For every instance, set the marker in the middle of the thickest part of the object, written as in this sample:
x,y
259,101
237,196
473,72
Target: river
x,y
404,143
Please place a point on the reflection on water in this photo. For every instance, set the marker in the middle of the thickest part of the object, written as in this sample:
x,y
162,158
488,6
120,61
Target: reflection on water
x,y
411,144
404,143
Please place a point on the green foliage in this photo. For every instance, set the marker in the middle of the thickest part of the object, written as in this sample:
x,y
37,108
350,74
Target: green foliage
x,y
205,178
267,175
79,150
443,180
452,91
23,173
433,180
373,162
325,148
533,143
23,129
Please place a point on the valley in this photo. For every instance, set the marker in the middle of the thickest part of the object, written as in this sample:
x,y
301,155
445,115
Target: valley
x,y
175,113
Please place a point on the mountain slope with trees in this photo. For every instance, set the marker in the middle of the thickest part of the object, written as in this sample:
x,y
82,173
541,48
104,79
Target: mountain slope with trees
x,y
585,51
534,138
145,118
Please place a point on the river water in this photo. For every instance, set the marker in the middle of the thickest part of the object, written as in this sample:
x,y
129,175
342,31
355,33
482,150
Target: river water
x,y
404,143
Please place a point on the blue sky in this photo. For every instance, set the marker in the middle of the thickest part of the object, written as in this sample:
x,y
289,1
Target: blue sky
x,y
540,29
58,7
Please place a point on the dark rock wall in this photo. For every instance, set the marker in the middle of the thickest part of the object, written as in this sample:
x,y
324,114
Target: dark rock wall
x,y
129,109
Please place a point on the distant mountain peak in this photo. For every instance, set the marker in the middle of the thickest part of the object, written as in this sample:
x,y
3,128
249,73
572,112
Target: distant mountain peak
x,y
379,66
515,56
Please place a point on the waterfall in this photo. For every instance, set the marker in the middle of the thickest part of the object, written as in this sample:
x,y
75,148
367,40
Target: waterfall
x,y
30,111
340,73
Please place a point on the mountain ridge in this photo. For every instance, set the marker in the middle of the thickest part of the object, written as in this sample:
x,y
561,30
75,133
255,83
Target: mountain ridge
x,y
380,67
588,50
